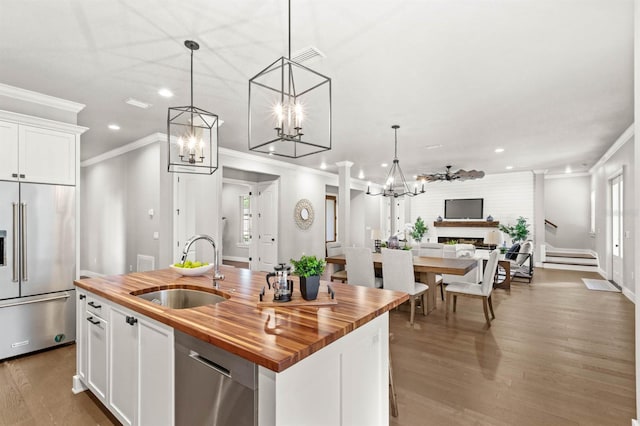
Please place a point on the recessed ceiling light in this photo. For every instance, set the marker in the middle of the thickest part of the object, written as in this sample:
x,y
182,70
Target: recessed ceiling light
x,y
384,165
323,166
509,167
361,175
137,103
499,150
113,126
433,146
165,93
568,169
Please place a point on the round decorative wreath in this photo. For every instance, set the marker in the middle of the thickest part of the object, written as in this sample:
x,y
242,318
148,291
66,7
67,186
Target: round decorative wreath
x,y
303,214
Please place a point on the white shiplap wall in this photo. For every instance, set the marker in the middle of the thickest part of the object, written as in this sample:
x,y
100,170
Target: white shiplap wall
x,y
506,197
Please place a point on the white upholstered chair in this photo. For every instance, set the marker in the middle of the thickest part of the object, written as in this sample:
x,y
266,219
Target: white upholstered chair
x,y
481,291
462,251
397,270
360,269
433,250
522,266
335,248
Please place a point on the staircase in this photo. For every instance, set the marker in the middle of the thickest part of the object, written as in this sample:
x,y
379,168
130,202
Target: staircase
x,y
570,259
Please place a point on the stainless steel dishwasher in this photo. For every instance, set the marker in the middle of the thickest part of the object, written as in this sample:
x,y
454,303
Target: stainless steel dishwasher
x,y
213,386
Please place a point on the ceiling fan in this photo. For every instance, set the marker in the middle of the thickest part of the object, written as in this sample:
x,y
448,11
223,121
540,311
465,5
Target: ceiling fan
x,y
451,176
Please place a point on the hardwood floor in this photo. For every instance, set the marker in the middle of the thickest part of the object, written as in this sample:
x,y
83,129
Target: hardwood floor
x,y
556,354
236,264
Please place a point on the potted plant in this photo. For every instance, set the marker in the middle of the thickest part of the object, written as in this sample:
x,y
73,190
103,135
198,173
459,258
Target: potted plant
x,y
518,232
309,269
419,229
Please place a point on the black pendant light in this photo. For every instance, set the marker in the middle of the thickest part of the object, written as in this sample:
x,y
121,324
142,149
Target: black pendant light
x,y
192,135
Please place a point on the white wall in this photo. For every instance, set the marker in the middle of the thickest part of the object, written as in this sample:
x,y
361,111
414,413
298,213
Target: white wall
x,y
115,225
623,160
567,205
506,197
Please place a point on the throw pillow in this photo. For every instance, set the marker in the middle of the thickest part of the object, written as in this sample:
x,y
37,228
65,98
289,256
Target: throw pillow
x,y
512,254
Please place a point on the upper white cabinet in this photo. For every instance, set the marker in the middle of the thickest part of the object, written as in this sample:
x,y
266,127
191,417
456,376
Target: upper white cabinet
x,y
46,156
38,150
8,150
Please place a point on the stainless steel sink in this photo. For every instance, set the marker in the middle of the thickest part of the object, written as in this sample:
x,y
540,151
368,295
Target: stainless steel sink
x,y
182,298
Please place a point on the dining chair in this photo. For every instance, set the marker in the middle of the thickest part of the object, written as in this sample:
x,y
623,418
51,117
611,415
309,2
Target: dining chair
x,y
360,269
462,251
481,291
433,250
334,248
397,270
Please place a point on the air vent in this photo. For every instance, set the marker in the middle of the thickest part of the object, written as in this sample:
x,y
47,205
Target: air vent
x,y
307,54
137,103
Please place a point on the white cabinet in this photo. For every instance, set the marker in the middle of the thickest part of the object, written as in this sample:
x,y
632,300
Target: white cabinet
x,y
123,365
97,347
8,150
37,154
82,328
137,385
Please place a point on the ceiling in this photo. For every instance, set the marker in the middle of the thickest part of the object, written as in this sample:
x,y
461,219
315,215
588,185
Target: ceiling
x,y
550,81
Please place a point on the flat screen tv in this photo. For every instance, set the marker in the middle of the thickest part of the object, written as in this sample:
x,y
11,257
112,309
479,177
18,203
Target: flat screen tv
x,y
467,208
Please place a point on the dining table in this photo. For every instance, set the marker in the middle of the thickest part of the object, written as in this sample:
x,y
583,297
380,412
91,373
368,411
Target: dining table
x,y
425,269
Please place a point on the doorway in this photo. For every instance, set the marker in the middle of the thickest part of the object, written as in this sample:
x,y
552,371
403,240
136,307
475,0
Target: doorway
x,y
267,226
331,215
617,228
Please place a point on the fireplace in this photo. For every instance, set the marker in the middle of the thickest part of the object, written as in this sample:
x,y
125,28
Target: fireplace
x,y
476,241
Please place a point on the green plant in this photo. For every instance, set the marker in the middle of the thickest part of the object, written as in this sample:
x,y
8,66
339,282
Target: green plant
x,y
517,232
452,242
419,229
308,266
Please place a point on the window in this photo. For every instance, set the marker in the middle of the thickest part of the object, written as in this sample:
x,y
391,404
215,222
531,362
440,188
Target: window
x,y
245,219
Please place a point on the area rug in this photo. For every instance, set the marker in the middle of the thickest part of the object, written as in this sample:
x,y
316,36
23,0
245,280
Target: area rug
x,y
600,285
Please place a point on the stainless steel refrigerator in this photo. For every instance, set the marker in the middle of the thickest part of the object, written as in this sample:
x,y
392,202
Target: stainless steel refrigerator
x,y
37,266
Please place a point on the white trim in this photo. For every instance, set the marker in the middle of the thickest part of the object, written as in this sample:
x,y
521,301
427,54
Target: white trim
x,y
236,258
147,140
624,138
602,273
90,274
567,175
39,98
30,120
232,181
78,386
630,295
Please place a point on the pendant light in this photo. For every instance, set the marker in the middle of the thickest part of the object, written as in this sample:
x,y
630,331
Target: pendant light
x,y
192,135
395,185
289,109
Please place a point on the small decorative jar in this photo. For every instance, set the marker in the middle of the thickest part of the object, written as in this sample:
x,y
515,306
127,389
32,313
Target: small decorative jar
x,y
489,218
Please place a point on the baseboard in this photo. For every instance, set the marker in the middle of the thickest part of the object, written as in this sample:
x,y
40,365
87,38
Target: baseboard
x,y
565,267
630,295
634,422
236,258
90,274
602,273
78,385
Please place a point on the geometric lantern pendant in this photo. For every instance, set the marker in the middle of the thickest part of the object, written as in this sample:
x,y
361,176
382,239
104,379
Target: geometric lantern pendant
x,y
289,109
192,135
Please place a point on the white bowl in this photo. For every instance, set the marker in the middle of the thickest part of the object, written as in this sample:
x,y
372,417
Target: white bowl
x,y
191,272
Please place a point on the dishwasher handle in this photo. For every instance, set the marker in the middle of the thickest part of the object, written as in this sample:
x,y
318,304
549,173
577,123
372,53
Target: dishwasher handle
x,y
208,363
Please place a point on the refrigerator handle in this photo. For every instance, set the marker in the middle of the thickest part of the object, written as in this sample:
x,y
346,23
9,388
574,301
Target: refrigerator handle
x,y
16,257
23,238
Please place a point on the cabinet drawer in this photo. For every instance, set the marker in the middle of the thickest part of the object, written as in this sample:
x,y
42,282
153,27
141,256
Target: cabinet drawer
x,y
97,306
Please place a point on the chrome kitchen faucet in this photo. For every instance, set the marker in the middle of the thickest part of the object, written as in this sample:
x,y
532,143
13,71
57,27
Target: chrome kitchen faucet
x,y
217,276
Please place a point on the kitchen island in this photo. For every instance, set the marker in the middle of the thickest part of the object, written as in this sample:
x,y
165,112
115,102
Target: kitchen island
x,y
315,365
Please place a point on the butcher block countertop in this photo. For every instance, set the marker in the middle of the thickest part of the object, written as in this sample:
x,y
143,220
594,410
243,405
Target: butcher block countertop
x,y
273,337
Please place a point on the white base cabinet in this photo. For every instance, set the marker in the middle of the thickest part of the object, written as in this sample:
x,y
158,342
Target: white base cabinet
x,y
130,363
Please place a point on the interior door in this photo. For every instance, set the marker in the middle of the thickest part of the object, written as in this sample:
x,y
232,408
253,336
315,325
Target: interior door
x,y
48,238
9,272
617,228
185,193
268,225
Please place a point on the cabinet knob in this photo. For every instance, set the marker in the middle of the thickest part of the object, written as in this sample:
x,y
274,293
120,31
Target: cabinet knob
x,y
14,175
22,176
131,320
82,296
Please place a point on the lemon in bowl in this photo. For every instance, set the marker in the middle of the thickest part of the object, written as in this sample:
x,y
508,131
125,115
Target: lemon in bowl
x,y
191,269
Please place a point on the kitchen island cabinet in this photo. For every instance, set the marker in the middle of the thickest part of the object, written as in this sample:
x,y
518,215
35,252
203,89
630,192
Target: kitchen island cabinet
x,y
315,365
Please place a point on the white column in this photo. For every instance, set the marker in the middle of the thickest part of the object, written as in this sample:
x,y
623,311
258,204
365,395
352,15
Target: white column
x,y
344,202
538,213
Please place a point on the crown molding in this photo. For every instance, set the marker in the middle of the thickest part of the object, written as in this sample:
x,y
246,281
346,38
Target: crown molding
x,y
344,163
567,175
147,140
39,98
624,138
41,122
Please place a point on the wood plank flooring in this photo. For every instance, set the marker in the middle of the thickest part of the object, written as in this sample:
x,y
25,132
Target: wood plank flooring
x,y
556,354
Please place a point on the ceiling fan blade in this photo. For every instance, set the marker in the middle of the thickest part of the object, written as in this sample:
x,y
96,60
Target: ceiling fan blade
x,y
471,174
429,178
449,176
